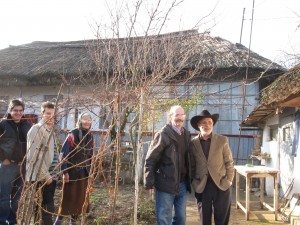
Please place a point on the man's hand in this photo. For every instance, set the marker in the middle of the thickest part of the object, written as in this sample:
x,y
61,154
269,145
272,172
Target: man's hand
x,y
48,180
6,162
66,177
150,194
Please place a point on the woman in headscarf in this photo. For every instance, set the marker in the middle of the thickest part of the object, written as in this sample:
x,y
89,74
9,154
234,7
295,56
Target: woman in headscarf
x,y
77,152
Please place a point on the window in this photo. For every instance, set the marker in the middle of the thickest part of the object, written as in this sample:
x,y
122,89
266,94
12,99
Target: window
x,y
3,105
52,98
274,133
286,134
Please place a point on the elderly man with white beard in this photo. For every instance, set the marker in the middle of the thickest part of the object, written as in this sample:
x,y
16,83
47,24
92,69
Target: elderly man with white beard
x,y
212,170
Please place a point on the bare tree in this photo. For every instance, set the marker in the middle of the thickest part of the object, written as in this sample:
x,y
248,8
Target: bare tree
x,y
128,68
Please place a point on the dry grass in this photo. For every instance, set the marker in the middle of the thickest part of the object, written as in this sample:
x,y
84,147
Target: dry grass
x,y
101,202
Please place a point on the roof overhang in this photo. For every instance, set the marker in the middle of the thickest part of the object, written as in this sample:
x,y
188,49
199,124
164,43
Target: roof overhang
x,y
283,92
259,116
291,101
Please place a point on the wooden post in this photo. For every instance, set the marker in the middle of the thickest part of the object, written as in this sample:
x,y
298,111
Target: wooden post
x,y
276,195
248,178
237,192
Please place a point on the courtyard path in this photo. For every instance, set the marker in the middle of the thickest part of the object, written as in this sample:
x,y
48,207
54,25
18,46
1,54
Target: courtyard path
x,y
237,215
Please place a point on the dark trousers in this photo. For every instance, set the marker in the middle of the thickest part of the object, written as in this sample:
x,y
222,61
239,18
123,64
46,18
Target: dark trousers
x,y
214,199
47,209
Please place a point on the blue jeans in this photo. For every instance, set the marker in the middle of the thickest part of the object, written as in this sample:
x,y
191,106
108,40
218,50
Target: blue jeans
x,y
11,185
164,205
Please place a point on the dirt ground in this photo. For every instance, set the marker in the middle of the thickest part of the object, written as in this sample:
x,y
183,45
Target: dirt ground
x,y
237,216
100,209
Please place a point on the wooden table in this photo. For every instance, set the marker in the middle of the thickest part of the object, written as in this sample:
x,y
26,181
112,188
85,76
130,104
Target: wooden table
x,y
260,172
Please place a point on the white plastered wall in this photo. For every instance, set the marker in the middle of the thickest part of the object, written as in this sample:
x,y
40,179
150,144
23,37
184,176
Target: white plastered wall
x,y
34,96
281,158
270,146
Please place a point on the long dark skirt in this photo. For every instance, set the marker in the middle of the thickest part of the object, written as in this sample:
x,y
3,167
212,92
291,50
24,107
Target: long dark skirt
x,y
73,197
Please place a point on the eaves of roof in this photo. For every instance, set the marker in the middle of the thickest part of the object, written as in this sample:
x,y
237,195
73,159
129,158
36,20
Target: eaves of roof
x,y
283,92
259,116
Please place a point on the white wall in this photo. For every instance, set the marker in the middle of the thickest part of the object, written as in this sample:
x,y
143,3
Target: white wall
x,y
34,96
296,187
281,158
296,175
271,147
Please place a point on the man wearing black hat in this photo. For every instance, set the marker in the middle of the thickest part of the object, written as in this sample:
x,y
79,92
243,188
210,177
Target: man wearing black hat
x,y
212,170
166,169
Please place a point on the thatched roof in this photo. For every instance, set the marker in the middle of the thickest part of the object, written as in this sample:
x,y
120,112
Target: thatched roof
x,y
283,89
46,62
283,92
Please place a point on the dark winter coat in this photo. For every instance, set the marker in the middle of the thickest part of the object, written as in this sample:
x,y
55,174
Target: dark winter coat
x,y
77,152
13,139
162,161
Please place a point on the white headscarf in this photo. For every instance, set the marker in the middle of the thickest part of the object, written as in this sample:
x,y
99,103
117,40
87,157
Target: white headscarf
x,y
79,121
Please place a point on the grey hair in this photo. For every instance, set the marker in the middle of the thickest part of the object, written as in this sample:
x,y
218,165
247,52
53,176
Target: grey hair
x,y
172,111
78,124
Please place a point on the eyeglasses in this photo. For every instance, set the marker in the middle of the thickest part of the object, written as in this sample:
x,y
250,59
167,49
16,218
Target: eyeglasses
x,y
209,123
15,110
178,114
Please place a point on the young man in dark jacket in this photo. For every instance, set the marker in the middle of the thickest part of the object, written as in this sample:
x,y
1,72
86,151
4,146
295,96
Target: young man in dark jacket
x,y
13,133
166,169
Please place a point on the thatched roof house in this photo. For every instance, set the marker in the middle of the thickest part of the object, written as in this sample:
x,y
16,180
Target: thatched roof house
x,y
43,63
283,92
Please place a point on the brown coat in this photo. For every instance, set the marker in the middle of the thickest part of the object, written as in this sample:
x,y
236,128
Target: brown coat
x,y
219,164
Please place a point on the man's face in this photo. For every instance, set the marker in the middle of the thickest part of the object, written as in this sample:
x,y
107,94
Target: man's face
x,y
206,126
48,116
178,117
17,113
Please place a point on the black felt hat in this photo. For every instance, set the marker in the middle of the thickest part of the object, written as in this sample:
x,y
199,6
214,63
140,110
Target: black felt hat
x,y
204,114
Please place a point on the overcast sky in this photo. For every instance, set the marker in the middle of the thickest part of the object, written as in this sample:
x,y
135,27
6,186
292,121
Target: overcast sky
x,y
276,24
